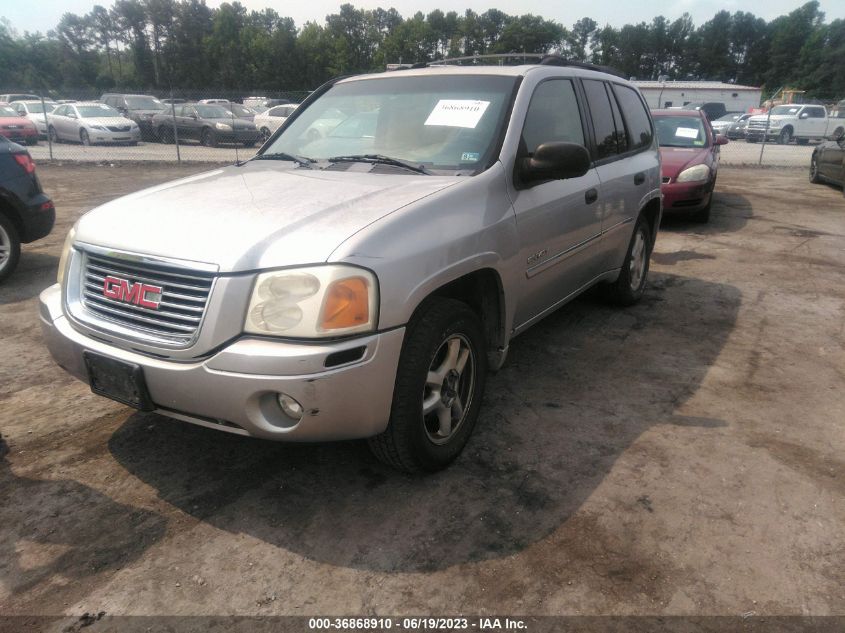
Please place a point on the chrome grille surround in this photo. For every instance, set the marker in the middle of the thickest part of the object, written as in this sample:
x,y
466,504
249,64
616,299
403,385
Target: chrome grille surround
x,y
186,289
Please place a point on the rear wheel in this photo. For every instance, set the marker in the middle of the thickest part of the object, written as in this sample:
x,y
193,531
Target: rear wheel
x,y
10,247
629,286
439,386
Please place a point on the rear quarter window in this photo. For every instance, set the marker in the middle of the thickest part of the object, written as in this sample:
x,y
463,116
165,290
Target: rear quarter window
x,y
636,117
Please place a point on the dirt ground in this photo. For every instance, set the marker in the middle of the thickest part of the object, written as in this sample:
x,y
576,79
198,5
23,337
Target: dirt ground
x,y
681,457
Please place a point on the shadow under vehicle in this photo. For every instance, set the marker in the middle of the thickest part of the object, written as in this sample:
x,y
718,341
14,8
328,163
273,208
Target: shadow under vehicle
x,y
579,390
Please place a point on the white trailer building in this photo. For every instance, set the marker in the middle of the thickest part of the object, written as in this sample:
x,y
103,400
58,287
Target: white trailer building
x,y
669,94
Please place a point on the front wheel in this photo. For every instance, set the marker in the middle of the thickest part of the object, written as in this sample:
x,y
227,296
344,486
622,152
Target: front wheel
x,y
629,286
84,138
54,137
10,247
785,136
814,170
439,386
209,138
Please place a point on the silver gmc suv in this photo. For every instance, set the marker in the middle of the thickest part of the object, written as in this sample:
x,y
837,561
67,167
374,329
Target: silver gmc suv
x,y
360,276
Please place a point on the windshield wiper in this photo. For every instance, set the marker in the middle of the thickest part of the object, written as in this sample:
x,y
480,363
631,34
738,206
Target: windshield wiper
x,y
381,159
302,161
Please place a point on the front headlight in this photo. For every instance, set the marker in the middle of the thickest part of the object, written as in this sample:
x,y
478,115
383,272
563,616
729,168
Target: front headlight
x,y
60,275
223,126
313,302
774,124
98,127
694,174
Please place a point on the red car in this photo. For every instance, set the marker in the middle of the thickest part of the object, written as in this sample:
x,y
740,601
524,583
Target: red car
x,y
15,127
689,155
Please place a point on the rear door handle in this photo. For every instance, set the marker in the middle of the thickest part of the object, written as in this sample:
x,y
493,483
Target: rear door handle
x,y
591,196
639,178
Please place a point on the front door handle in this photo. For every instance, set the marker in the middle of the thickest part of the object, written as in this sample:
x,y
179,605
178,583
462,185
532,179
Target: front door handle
x,y
639,178
591,196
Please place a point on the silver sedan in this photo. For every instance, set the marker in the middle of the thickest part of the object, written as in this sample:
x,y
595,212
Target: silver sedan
x,y
90,123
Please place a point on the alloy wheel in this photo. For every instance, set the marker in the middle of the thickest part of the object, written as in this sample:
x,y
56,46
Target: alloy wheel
x,y
5,248
449,385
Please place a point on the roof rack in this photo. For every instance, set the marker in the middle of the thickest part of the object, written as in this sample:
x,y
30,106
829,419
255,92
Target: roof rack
x,y
543,59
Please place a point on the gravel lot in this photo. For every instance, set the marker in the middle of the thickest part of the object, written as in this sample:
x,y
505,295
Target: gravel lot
x,y
682,457
734,153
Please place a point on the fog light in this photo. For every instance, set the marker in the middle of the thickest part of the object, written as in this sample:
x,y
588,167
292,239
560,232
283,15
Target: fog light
x,y
290,406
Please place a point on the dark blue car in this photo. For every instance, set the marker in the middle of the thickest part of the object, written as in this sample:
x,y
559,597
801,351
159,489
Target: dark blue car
x,y
26,212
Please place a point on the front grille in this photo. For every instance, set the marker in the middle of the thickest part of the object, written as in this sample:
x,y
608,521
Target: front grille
x,y
183,299
757,126
119,128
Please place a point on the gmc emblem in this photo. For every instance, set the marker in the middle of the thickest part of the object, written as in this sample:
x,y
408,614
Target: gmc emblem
x,y
140,294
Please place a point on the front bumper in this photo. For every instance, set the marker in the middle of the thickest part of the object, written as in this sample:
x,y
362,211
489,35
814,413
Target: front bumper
x,y
685,197
22,135
237,136
236,388
99,136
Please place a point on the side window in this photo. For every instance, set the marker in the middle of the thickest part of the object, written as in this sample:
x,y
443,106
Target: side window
x,y
816,113
60,110
280,111
639,125
604,125
553,115
621,134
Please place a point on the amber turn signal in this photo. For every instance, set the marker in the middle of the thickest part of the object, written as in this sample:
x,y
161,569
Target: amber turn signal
x,y
347,304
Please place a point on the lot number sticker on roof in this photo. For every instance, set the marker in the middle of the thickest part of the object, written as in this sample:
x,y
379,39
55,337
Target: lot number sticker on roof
x,y
457,113
687,132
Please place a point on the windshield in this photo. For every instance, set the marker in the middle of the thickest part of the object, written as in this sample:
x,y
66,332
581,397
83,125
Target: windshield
x,y
680,131
239,110
785,109
37,108
144,103
8,111
212,112
444,123
97,111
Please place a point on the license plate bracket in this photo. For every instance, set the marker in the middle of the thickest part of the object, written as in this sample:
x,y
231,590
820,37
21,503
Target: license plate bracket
x,y
118,380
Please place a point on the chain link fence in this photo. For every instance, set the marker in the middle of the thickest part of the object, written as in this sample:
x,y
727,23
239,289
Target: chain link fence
x,y
212,126
181,131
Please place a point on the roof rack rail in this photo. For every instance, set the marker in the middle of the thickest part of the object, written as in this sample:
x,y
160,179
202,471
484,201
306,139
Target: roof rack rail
x,y
543,59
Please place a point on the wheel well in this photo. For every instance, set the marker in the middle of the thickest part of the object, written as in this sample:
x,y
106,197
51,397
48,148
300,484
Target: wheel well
x,y
482,291
651,212
785,128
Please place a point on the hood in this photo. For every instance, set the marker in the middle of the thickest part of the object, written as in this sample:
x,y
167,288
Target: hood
x,y
238,123
673,160
261,215
109,121
23,122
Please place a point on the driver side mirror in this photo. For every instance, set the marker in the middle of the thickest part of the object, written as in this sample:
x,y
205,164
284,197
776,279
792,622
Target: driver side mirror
x,y
554,161
721,140
804,115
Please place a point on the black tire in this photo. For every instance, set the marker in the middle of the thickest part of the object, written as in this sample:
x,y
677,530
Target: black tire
x,y
836,133
84,138
407,443
53,135
815,178
621,292
785,136
10,247
265,134
208,138
703,216
165,135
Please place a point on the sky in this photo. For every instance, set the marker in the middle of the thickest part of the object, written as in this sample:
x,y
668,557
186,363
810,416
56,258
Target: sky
x,y
43,15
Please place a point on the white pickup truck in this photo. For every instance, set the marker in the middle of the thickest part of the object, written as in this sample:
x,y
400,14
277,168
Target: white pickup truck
x,y
794,121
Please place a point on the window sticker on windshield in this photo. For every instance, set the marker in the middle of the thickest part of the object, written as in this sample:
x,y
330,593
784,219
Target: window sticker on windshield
x,y
457,113
686,132
470,157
